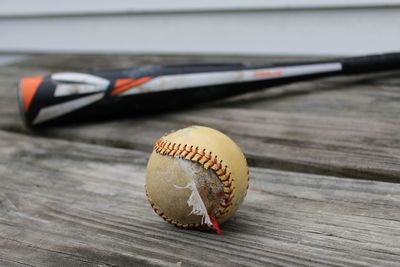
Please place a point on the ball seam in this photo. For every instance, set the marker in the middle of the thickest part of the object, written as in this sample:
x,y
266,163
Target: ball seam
x,y
208,161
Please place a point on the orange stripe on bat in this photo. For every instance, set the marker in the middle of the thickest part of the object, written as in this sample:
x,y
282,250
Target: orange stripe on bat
x,y
267,74
123,82
29,86
122,85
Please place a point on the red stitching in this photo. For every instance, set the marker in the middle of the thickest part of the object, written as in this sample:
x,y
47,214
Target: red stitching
x,y
176,150
227,203
208,158
224,171
227,177
213,162
229,184
194,154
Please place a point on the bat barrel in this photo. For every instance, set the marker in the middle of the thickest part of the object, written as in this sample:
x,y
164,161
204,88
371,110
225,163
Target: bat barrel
x,y
72,97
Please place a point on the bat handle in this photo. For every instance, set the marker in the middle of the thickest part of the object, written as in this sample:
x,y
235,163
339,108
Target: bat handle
x,y
366,64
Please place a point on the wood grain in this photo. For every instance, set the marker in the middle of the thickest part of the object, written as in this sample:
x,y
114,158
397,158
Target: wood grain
x,y
338,126
352,147
68,203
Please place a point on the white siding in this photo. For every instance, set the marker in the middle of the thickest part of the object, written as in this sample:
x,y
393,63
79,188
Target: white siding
x,y
308,27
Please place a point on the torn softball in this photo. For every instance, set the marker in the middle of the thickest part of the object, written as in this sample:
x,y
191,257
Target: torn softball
x,y
197,177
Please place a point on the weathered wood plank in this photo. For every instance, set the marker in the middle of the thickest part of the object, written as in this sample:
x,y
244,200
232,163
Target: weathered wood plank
x,y
360,148
338,126
69,204
369,96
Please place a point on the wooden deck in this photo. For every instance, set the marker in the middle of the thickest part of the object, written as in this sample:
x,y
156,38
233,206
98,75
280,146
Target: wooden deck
x,y
325,173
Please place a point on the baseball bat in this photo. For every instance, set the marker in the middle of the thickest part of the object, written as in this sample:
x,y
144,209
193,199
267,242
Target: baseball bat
x,y
71,97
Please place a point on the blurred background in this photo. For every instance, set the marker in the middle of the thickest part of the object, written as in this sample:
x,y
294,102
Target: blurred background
x,y
253,27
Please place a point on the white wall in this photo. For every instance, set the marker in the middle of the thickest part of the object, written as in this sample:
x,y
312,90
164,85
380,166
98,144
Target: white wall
x,y
308,27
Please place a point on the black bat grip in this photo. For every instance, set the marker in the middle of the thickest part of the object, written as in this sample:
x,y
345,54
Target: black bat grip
x,y
366,64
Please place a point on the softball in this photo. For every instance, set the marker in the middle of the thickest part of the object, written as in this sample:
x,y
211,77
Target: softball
x,y
197,178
